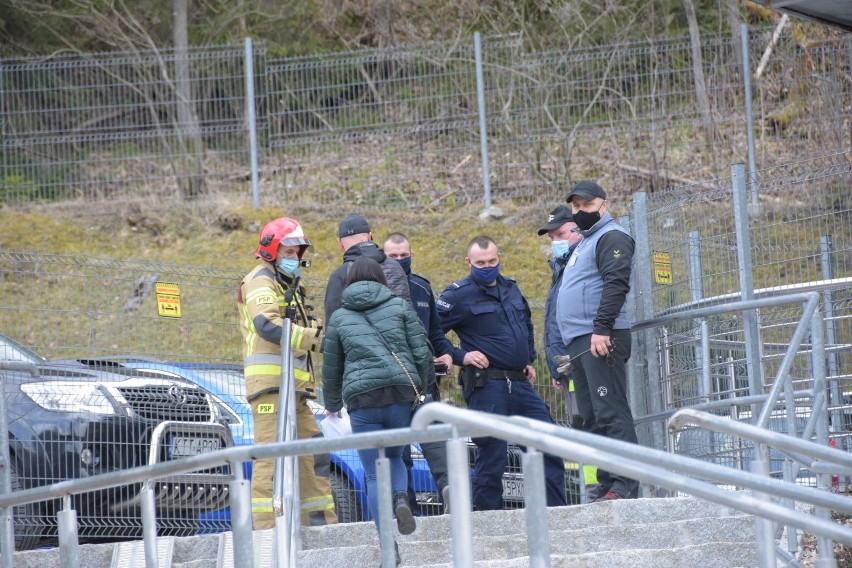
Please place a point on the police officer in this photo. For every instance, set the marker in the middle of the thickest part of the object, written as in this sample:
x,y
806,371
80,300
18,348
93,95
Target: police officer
x,y
267,295
398,247
492,320
597,330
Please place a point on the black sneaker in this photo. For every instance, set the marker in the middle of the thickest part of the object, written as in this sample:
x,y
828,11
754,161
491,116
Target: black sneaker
x,y
404,517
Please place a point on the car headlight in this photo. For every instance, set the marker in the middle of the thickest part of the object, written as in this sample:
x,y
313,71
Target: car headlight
x,y
68,396
224,413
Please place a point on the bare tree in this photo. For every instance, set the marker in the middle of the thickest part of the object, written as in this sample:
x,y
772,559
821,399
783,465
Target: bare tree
x,y
698,73
187,127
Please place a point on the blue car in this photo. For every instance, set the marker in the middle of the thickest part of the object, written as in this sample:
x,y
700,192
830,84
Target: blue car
x,y
226,383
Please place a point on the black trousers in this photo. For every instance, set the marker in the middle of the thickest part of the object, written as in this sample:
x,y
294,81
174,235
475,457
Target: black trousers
x,y
600,384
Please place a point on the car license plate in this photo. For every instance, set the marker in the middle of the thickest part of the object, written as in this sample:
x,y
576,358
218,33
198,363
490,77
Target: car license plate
x,y
513,488
186,446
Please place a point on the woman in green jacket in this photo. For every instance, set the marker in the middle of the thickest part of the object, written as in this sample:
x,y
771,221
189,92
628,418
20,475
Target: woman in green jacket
x,y
377,385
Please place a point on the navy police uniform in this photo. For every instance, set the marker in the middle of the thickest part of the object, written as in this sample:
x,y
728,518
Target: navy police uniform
x,y
435,453
496,321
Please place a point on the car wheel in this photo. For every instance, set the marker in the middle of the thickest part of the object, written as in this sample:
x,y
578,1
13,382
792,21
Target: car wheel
x,y
345,500
27,525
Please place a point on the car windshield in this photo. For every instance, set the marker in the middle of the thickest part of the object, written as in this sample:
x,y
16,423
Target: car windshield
x,y
11,350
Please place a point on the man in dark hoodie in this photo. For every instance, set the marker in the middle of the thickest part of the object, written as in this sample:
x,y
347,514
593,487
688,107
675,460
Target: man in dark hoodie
x,y
356,240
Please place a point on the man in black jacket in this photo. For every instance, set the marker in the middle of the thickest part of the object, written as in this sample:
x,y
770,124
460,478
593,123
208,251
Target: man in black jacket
x,y
398,247
356,239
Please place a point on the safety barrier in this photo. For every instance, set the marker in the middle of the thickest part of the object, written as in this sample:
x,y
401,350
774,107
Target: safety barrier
x,y
645,464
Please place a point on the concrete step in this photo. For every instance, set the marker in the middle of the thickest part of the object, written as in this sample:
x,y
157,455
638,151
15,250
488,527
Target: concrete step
x,y
615,533
716,554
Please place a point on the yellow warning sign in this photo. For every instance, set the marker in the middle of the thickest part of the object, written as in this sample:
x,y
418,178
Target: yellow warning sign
x,y
662,268
168,299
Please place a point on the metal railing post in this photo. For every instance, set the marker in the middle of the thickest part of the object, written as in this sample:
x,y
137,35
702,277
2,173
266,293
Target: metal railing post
x,y
752,167
149,526
825,546
384,495
751,327
285,480
483,125
765,532
251,123
835,391
7,524
241,523
645,300
696,290
69,543
535,505
461,521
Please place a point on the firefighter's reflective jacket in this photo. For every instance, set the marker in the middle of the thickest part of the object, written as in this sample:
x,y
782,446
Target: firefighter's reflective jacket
x,y
264,300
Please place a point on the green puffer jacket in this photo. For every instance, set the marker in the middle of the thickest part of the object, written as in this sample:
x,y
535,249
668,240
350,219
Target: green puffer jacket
x,y
355,360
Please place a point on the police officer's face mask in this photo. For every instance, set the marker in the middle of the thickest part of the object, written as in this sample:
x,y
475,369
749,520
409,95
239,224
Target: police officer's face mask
x,y
485,275
405,263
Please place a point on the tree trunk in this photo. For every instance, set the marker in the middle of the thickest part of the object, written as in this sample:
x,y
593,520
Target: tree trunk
x,y
191,180
698,73
732,10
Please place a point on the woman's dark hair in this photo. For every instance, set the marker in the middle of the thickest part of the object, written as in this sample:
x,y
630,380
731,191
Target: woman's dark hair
x,y
366,269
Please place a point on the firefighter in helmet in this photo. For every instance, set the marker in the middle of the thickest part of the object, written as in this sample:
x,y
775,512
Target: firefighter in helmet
x,y
267,295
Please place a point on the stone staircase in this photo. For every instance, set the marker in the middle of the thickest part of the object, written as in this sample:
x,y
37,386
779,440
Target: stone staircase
x,y
659,533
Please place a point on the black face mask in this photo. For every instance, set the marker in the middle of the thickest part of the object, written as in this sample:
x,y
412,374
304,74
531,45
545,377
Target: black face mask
x,y
586,220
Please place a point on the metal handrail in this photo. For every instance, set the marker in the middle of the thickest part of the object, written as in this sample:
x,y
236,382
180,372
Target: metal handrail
x,y
645,464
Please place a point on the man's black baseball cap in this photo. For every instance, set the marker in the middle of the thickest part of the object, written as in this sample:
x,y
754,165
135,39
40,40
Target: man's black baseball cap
x,y
587,190
556,219
353,225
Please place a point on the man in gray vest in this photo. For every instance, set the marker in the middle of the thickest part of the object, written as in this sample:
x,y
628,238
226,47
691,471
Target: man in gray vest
x,y
593,323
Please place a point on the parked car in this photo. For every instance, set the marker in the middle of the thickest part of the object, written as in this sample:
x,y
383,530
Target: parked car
x,y
70,421
11,350
226,385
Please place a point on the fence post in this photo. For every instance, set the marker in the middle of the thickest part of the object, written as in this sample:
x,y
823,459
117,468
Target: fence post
x,y
241,526
285,480
696,289
483,129
752,168
645,299
69,542
538,534
461,520
7,530
251,123
149,525
751,327
827,249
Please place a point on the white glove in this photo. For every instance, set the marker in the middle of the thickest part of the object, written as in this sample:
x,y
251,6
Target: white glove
x,y
564,362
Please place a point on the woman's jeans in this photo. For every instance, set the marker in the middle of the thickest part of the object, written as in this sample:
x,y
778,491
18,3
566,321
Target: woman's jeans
x,y
373,420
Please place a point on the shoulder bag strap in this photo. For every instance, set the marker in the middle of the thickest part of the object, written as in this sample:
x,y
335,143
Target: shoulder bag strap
x,y
393,354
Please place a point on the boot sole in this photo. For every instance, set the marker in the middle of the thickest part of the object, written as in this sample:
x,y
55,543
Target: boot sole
x,y
405,520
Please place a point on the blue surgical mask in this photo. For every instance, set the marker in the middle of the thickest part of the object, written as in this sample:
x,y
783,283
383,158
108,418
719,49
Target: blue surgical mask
x,y
559,248
405,263
289,266
485,275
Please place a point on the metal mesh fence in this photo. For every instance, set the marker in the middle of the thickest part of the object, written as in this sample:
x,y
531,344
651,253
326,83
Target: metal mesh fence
x,y
799,240
383,128
398,127
95,127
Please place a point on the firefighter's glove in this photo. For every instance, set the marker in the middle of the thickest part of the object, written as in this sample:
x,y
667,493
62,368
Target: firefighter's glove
x,y
311,339
564,362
